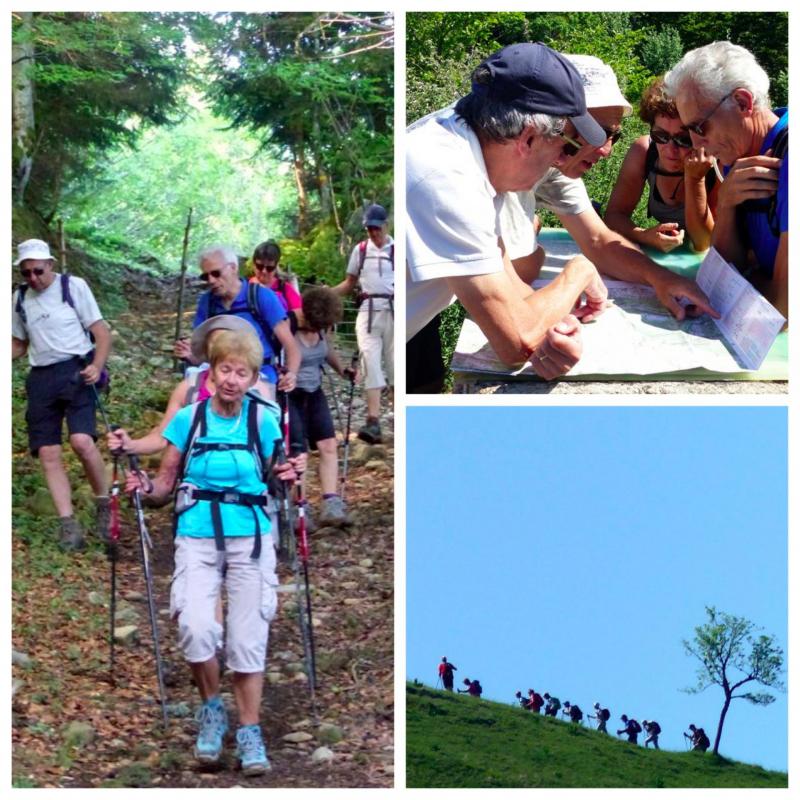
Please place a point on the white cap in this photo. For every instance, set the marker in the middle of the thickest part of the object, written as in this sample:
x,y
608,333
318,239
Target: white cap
x,y
222,322
599,83
33,249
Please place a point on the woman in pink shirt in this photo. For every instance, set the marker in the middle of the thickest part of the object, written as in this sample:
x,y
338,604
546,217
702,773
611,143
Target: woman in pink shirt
x,y
265,263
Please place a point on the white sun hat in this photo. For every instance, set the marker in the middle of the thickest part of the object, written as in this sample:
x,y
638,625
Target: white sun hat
x,y
599,83
33,249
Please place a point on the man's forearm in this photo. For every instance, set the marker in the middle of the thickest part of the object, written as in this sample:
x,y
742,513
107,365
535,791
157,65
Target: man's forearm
x,y
102,343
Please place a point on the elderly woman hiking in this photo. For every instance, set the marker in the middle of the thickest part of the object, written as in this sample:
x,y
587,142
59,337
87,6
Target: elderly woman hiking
x,y
220,455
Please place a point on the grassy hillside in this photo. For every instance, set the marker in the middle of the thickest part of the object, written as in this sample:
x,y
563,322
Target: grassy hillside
x,y
455,740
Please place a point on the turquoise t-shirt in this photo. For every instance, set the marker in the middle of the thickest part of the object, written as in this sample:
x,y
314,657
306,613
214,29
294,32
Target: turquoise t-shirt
x,y
223,470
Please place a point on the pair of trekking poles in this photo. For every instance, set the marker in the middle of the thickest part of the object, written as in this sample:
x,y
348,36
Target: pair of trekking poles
x,y
145,549
345,431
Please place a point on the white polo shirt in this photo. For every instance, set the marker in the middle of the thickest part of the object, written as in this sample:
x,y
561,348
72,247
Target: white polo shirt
x,y
452,213
54,330
377,274
555,192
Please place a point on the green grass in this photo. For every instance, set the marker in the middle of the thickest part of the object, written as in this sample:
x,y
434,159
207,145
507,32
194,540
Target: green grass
x,y
457,741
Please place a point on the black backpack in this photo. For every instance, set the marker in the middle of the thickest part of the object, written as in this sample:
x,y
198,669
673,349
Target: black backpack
x,y
575,713
634,726
655,729
605,714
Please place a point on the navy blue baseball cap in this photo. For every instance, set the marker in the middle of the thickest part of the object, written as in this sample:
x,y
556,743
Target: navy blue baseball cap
x,y
375,216
536,79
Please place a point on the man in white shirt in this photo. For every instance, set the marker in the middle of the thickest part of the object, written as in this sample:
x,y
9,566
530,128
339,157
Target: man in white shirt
x,y
562,191
52,317
527,103
371,268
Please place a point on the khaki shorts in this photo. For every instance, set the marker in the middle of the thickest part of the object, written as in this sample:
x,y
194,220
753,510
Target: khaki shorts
x,y
252,600
376,346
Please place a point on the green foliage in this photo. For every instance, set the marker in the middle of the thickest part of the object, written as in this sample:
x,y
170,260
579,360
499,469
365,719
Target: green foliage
x,y
458,741
130,204
99,79
662,50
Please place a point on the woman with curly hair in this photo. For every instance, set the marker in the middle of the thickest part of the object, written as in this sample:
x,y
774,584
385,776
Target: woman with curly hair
x,y
681,179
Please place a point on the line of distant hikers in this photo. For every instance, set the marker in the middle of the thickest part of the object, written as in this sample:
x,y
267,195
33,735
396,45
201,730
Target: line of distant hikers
x,y
552,706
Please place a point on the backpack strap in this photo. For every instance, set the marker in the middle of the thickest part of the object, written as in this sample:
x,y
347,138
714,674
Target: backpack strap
x,y
193,390
362,257
19,307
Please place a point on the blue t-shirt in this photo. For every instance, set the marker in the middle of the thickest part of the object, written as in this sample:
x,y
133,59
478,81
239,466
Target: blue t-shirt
x,y
220,470
762,240
269,308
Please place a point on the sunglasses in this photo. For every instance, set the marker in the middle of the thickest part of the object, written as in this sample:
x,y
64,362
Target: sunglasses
x,y
212,273
682,140
260,266
571,147
700,127
26,273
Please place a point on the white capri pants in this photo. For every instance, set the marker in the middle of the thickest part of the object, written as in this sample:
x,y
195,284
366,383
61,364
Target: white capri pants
x,y
252,600
376,346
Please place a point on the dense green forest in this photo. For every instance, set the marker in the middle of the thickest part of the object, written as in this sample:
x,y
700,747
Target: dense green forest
x,y
269,125
443,48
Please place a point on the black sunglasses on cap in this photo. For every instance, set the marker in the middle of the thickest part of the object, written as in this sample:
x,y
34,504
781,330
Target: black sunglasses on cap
x,y
682,140
26,273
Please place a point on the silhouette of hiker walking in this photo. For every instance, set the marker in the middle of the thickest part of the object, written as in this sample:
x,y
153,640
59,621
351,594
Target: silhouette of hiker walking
x,y
474,688
446,670
602,715
632,729
698,739
652,729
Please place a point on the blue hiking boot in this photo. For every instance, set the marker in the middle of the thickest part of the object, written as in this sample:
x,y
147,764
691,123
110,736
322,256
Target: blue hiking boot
x,y
213,721
250,750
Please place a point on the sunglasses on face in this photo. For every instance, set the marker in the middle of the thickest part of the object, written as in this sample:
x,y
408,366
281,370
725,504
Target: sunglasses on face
x,y
26,273
260,266
571,147
682,140
212,273
700,127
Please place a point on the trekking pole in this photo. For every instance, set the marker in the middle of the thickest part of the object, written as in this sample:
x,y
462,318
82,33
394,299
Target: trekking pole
x,y
178,364
112,551
146,545
335,393
343,481
101,409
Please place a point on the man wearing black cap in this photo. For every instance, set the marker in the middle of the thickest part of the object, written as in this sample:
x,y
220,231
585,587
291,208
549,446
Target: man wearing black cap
x,y
371,268
526,103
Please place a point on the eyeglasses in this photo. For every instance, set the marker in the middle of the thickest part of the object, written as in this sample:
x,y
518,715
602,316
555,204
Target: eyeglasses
x,y
662,137
212,273
259,265
571,147
700,127
26,273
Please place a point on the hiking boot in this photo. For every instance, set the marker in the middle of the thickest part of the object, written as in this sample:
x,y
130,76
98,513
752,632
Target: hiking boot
x,y
250,750
334,513
102,518
370,433
71,535
213,721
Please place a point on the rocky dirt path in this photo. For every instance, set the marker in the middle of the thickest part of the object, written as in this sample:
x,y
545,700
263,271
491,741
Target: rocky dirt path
x,y
73,728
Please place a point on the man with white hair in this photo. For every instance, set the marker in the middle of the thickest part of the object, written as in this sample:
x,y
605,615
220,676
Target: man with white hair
x,y
525,106
563,192
230,294
722,95
56,321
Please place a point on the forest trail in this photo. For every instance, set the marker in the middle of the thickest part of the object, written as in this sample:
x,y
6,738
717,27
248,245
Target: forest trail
x,y
72,728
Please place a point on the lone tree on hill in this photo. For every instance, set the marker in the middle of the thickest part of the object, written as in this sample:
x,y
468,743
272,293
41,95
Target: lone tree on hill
x,y
732,654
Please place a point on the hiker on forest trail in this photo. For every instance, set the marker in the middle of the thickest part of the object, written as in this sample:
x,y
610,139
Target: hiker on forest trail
x,y
265,260
652,729
446,670
553,705
698,739
220,453
602,715
230,294
371,268
632,729
322,309
474,688
536,701
54,319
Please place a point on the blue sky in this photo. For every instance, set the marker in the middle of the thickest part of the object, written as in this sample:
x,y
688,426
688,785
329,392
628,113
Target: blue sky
x,y
572,549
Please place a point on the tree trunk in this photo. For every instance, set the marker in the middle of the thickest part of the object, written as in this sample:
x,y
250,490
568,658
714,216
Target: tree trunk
x,y
22,109
300,183
322,177
725,707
